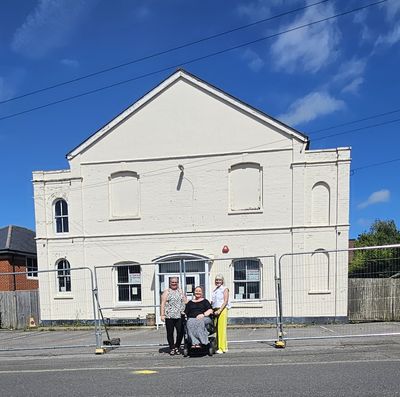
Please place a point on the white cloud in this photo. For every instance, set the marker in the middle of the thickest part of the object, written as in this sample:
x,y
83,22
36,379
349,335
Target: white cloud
x,y
350,75
354,86
49,26
258,9
361,19
72,63
392,8
364,222
6,90
254,61
308,49
310,107
381,196
390,38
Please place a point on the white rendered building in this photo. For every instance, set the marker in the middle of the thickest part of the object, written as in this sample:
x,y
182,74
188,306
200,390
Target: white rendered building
x,y
162,188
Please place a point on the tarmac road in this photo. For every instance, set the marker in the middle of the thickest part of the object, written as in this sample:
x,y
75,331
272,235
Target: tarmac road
x,y
362,367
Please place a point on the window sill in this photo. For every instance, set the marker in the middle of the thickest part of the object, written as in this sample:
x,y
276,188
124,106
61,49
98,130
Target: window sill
x,y
124,218
317,292
242,212
247,303
128,306
66,296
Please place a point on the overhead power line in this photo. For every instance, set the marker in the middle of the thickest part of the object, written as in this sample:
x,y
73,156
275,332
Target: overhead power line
x,y
355,121
164,52
372,165
358,129
194,60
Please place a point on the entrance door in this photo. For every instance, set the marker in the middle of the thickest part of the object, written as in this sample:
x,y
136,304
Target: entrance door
x,y
191,282
190,270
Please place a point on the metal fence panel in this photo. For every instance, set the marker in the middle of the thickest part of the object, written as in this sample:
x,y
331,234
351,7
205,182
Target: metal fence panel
x,y
66,298
252,293
340,293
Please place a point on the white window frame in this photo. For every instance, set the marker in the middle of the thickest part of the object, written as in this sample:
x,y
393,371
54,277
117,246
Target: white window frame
x,y
117,284
260,281
61,217
31,274
67,275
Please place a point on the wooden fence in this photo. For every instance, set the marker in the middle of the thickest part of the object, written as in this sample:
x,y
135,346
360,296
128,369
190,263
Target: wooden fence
x,y
17,308
374,299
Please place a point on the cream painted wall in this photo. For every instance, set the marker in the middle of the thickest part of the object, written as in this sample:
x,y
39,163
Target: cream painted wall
x,y
189,212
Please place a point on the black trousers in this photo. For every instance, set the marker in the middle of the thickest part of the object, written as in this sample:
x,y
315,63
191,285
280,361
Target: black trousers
x,y
170,325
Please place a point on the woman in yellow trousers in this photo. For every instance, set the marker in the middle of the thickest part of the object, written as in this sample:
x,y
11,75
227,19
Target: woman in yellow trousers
x,y
220,302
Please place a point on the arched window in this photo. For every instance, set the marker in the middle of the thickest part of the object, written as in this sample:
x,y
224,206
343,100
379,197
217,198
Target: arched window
x,y
63,276
245,187
61,216
129,282
124,195
317,273
321,202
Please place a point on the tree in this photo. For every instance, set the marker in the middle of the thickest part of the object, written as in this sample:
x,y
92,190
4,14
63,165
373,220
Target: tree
x,y
382,262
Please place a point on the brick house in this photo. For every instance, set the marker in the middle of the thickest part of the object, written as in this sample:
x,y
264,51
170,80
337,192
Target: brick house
x,y
18,254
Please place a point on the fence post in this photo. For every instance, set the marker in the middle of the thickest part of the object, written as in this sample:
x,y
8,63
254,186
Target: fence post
x,y
96,318
279,343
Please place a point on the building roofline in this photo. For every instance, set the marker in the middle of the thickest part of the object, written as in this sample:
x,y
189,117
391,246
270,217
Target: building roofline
x,y
184,75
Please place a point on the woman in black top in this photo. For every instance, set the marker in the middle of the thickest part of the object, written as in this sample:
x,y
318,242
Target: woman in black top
x,y
198,312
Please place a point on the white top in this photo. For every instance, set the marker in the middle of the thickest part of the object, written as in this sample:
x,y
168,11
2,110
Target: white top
x,y
218,297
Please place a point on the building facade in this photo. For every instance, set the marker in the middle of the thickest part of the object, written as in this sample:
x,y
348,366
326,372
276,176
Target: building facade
x,y
162,188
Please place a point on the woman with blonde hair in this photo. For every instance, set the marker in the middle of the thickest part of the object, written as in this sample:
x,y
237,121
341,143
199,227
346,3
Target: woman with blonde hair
x,y
220,305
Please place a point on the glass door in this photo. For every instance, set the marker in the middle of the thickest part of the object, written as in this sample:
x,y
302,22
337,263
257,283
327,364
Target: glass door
x,y
191,282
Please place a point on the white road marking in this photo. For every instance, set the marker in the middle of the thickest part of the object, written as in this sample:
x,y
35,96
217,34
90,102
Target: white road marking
x,y
180,367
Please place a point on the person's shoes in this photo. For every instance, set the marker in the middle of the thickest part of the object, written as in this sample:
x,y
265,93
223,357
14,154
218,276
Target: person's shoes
x,y
226,351
172,352
177,351
219,351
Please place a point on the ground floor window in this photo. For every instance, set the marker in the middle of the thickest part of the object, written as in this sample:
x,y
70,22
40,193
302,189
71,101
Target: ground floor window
x,y
129,283
31,267
247,279
64,276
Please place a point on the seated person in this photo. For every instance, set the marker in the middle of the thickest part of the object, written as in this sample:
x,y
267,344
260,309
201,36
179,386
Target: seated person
x,y
198,312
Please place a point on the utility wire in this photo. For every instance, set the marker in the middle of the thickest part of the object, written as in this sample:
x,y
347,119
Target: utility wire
x,y
353,170
358,129
194,60
355,121
157,54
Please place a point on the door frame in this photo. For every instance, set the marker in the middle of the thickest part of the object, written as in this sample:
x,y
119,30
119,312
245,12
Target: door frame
x,y
179,257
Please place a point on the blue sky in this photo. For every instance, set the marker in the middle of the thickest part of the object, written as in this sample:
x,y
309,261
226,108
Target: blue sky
x,y
314,78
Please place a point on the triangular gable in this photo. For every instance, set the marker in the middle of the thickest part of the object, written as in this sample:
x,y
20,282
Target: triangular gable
x,y
195,81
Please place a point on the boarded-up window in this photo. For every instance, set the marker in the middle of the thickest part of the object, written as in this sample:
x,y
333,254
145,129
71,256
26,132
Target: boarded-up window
x,y
124,194
245,190
321,203
317,272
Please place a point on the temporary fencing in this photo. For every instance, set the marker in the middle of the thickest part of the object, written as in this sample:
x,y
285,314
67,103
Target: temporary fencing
x,y
137,289
340,293
69,291
305,295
